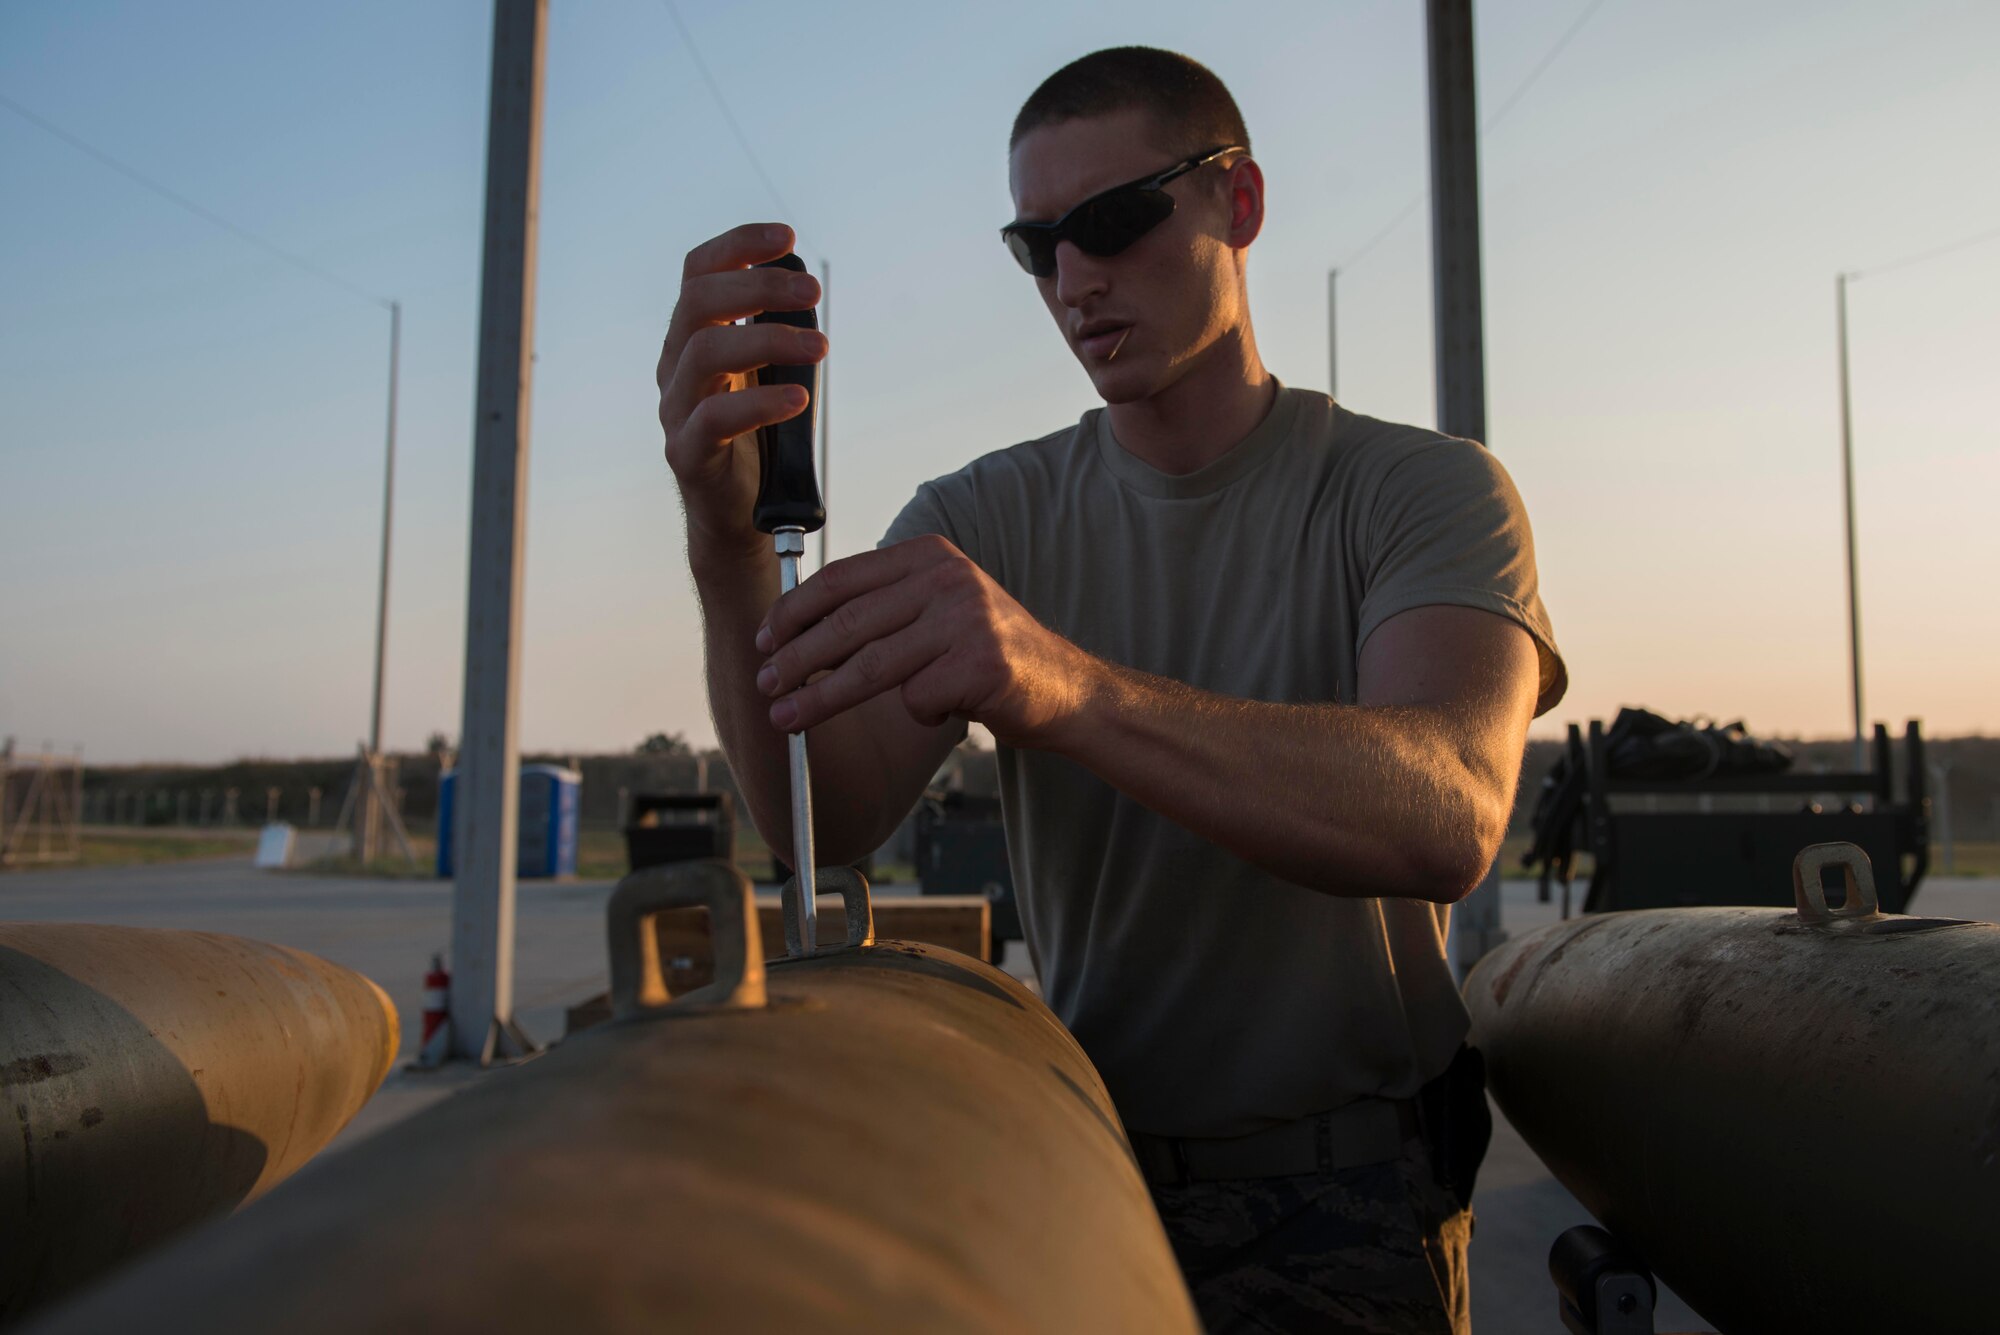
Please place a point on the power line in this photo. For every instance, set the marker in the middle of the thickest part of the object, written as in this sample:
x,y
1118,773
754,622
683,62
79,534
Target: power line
x,y
1542,68
1962,243
722,105
174,196
1513,100
1387,228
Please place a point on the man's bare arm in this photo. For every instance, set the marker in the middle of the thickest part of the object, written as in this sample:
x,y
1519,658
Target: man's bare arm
x,y
870,765
1405,793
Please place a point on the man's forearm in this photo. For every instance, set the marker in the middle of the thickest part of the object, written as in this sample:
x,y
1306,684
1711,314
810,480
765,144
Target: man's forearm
x,y
1346,799
734,593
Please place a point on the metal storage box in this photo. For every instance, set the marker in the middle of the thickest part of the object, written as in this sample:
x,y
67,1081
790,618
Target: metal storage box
x,y
680,827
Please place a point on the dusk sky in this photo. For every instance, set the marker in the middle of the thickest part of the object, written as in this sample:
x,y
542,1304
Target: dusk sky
x,y
191,427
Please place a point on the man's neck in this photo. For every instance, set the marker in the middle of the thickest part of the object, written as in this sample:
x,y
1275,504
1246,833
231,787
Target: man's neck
x,y
1201,416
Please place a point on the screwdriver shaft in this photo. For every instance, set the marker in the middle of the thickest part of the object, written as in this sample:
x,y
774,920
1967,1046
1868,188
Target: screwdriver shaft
x,y
790,544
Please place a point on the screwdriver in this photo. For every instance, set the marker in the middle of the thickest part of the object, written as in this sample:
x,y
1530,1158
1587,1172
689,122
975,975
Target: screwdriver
x,y
788,508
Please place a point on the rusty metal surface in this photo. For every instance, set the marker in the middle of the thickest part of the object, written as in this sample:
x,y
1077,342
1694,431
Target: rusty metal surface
x,y
1793,1116
151,1078
901,1139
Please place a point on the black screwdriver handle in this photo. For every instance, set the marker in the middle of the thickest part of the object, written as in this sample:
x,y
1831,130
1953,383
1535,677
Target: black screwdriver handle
x,y
788,487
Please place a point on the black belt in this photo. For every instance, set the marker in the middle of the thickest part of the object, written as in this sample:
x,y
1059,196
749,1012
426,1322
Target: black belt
x,y
1369,1131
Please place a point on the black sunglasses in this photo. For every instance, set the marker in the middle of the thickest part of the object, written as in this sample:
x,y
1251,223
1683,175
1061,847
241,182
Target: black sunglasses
x,y
1107,222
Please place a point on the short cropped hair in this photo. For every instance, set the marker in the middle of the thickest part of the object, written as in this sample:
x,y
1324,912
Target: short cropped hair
x,y
1188,103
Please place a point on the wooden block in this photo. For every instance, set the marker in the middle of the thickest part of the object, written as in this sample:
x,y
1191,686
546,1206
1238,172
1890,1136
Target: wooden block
x,y
584,1014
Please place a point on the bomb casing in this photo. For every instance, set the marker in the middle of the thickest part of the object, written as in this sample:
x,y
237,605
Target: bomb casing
x,y
154,1078
878,1136
1792,1115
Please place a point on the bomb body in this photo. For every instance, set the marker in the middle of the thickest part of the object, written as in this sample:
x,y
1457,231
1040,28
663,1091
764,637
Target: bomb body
x,y
1795,1118
881,1138
154,1078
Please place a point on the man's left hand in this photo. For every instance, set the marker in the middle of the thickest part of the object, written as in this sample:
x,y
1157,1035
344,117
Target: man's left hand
x,y
920,618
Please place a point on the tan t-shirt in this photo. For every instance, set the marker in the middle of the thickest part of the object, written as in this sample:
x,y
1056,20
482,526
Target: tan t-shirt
x,y
1215,998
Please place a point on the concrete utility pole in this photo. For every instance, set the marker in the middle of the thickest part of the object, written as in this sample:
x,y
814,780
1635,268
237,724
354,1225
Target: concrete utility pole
x,y
482,1023
1457,331
1457,328
1847,494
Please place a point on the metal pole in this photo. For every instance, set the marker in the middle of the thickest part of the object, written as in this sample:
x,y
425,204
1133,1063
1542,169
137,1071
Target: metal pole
x,y
1332,336
825,432
1847,493
1457,331
482,905
388,512
1457,327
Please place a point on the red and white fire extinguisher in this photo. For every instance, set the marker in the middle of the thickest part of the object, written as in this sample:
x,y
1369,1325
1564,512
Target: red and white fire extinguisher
x,y
437,998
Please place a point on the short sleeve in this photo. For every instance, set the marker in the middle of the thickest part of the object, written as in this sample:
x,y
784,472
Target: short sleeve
x,y
937,508
1448,527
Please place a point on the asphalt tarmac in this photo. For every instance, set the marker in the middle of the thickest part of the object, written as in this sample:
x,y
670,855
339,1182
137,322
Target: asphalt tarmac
x,y
388,930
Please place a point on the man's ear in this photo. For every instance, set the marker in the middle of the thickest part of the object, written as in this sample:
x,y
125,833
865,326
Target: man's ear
x,y
1246,203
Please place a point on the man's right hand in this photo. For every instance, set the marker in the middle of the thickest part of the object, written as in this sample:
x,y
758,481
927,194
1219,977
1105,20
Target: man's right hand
x,y
710,402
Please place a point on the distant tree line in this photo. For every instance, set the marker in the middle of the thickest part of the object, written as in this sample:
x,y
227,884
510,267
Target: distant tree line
x,y
666,762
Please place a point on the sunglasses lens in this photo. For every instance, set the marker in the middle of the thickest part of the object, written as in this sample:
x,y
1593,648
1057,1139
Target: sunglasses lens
x,y
1113,221
1034,251
1102,226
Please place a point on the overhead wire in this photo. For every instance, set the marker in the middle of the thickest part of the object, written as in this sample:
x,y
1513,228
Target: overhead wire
x,y
1513,100
1387,228
1540,69
168,193
722,105
1938,252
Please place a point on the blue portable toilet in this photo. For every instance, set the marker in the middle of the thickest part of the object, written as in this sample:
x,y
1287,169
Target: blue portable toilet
x,y
546,826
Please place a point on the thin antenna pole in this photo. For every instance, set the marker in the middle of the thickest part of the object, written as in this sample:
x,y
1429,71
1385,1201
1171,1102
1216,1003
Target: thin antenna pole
x,y
388,513
1847,492
1332,336
825,379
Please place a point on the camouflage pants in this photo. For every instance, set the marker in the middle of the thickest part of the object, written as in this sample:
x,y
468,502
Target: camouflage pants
x,y
1378,1249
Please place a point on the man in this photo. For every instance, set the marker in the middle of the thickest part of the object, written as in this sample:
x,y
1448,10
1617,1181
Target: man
x,y
1260,670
